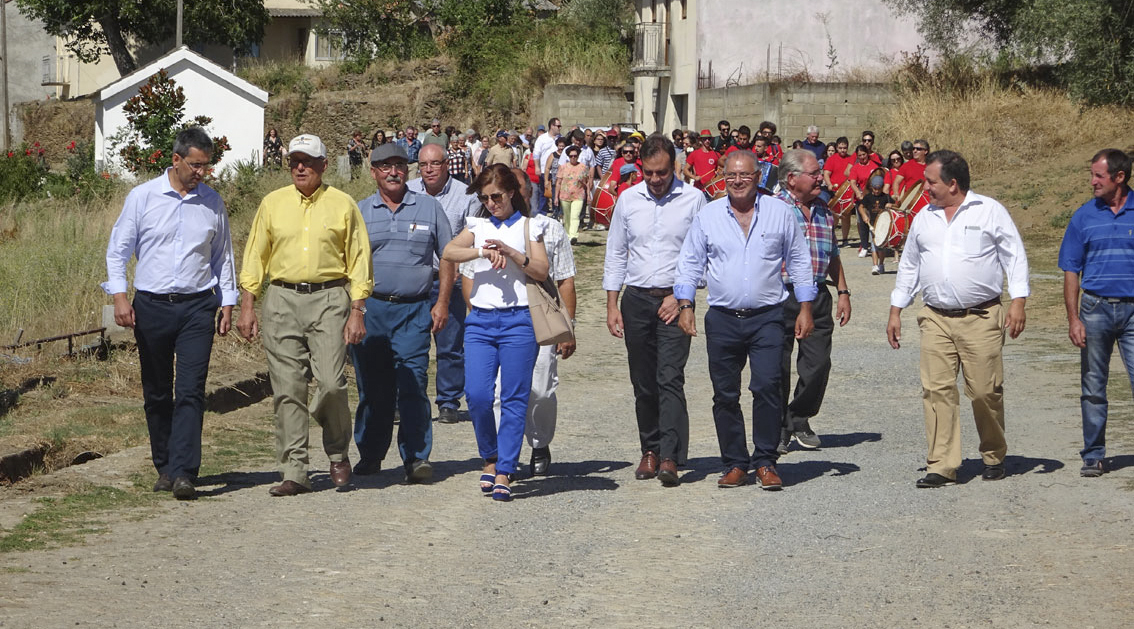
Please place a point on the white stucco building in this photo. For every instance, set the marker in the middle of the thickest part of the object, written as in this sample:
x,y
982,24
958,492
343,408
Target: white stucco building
x,y
235,105
685,45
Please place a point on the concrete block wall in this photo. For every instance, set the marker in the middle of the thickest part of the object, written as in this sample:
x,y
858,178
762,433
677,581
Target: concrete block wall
x,y
582,104
836,108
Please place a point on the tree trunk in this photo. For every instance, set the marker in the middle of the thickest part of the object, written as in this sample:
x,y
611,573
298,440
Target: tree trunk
x,y
118,49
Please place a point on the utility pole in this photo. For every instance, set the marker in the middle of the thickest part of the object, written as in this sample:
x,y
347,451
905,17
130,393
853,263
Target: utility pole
x,y
7,139
178,45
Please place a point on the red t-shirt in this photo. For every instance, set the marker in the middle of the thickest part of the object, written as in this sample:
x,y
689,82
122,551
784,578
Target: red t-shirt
x,y
860,173
623,187
616,168
837,166
890,175
704,164
732,149
911,172
875,159
774,154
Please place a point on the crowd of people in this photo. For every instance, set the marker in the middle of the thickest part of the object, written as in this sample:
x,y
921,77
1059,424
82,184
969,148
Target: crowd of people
x,y
434,258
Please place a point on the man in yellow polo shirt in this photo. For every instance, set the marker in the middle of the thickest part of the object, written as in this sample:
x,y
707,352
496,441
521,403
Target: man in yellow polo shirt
x,y
308,253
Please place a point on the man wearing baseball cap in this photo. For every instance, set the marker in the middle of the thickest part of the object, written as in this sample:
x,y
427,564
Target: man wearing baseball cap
x,y
701,165
501,153
308,255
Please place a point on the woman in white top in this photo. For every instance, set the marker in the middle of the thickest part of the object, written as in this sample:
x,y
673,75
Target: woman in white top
x,y
498,329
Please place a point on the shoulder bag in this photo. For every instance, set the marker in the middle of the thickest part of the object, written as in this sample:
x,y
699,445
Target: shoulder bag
x,y
550,320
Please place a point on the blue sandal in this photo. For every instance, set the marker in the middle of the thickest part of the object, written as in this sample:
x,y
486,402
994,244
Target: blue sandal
x,y
502,493
487,483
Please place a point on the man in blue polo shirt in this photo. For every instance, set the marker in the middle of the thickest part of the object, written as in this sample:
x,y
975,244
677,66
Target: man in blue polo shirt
x,y
406,231
1098,254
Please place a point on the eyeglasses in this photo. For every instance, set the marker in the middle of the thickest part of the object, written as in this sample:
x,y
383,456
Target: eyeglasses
x,y
921,148
868,140
197,167
739,176
386,167
434,164
497,197
814,174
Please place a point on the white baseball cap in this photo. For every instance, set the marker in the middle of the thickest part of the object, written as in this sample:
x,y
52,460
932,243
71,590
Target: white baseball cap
x,y
308,144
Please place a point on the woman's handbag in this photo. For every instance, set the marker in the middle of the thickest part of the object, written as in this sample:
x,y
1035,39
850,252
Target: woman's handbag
x,y
550,320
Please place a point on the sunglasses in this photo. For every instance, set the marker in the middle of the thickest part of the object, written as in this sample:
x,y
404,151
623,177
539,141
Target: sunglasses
x,y
496,197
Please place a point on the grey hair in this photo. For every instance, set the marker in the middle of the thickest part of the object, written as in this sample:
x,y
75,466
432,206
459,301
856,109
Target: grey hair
x,y
743,155
812,129
192,138
792,163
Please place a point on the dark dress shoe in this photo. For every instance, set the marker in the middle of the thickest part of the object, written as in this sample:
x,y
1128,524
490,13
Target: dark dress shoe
x,y
993,472
289,488
163,483
933,481
541,461
420,471
183,488
667,473
366,467
647,467
769,479
733,478
340,472
448,416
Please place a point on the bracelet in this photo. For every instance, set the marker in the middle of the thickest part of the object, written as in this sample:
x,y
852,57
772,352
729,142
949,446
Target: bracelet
x,y
684,307
480,252
845,292
526,261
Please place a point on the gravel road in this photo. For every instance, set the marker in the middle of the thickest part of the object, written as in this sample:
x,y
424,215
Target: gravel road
x,y
849,542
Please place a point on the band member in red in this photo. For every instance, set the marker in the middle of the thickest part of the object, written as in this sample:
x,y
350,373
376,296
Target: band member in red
x,y
701,165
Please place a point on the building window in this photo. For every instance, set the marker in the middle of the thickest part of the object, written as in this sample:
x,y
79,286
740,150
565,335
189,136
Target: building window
x,y
329,46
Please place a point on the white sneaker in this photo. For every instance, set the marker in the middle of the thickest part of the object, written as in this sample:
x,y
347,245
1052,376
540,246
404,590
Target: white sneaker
x,y
881,267
861,252
874,270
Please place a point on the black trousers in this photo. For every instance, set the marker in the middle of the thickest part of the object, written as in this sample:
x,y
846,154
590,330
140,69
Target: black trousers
x,y
170,334
731,342
657,354
812,365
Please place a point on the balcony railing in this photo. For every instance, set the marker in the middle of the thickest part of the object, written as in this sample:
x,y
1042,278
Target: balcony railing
x,y
651,48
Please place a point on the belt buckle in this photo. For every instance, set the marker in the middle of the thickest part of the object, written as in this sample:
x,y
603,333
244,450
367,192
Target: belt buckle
x,y
303,287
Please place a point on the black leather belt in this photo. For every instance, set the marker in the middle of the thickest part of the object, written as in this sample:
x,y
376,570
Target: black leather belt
x,y
398,299
1111,300
743,313
311,287
979,309
175,298
652,292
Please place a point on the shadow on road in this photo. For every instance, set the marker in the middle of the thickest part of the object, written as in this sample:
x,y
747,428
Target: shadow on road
x,y
850,439
1013,465
569,476
803,471
1115,463
233,481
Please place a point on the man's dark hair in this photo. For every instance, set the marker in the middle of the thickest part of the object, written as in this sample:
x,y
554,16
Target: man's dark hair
x,y
657,143
1116,162
870,133
578,135
842,140
768,124
953,167
551,123
723,123
744,130
924,143
196,138
862,148
677,134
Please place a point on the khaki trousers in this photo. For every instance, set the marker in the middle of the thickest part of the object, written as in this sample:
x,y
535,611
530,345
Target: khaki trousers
x,y
973,344
303,337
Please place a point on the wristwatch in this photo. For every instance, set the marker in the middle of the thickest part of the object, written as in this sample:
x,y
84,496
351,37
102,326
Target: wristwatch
x,y
845,292
684,306
526,261
361,308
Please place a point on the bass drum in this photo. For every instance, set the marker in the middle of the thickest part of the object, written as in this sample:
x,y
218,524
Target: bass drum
x,y
891,228
609,183
602,204
716,188
914,199
842,201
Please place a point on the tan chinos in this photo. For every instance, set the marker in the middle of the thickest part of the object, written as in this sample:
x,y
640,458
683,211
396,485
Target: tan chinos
x,y
974,344
303,334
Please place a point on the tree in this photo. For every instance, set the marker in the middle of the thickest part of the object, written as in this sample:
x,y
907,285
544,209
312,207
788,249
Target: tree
x,y
1090,42
374,29
96,27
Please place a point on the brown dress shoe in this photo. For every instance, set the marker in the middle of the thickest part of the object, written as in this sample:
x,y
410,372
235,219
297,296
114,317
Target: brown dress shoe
x,y
340,472
733,478
648,467
288,488
667,473
769,479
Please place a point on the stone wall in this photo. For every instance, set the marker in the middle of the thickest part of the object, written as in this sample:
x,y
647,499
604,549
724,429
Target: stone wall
x,y
836,108
581,104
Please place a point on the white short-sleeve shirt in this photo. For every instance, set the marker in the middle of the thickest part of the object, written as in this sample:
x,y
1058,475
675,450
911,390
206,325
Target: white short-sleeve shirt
x,y
506,287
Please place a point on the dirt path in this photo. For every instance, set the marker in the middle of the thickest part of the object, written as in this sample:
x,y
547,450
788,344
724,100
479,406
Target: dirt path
x,y
849,542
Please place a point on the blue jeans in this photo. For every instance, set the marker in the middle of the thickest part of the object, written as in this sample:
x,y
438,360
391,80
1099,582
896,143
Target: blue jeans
x,y
503,341
450,345
1106,324
539,202
391,365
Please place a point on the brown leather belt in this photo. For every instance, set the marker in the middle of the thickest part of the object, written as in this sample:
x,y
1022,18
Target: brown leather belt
x,y
743,313
311,287
979,309
652,292
398,299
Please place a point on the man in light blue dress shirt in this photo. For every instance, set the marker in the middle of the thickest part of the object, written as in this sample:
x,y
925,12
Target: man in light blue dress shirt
x,y
449,341
740,244
178,229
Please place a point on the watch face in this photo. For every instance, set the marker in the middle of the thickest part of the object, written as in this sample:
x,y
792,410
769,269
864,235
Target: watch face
x,y
361,309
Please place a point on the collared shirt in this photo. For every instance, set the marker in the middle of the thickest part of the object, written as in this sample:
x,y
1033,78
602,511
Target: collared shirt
x,y
586,156
440,139
183,245
543,144
646,235
411,148
506,287
819,232
604,158
455,200
961,263
501,155
308,239
404,241
743,271
560,257
458,162
1099,244
818,149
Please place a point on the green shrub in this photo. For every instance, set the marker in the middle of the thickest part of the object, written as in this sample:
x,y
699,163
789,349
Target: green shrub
x,y
22,172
